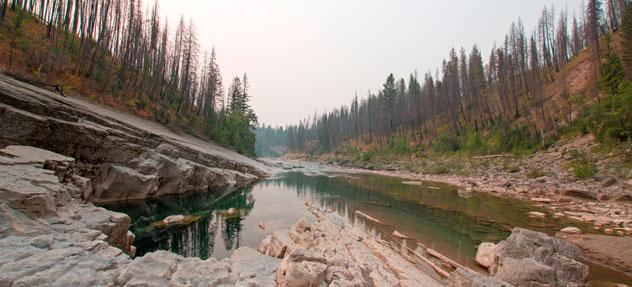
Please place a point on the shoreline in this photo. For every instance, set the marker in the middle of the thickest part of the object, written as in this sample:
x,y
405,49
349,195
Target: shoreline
x,y
576,208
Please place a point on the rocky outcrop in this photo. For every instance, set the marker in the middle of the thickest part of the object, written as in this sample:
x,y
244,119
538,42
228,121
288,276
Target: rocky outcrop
x,y
48,237
331,252
245,267
529,258
125,156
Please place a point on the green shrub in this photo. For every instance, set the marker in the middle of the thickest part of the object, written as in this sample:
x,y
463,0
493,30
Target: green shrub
x,y
400,145
581,165
612,118
535,173
447,142
367,155
438,169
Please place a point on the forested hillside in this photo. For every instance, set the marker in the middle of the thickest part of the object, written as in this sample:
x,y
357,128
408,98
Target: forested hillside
x,y
566,73
118,53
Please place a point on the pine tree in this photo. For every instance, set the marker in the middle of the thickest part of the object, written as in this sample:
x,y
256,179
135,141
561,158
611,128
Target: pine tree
x,y
389,92
626,29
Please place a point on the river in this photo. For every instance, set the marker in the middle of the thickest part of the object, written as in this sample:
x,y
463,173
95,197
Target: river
x,y
431,214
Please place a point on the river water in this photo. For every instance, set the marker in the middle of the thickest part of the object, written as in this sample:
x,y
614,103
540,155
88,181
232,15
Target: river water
x,y
432,214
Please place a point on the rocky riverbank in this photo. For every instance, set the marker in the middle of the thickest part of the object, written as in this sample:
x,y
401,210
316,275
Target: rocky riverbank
x,y
605,201
50,237
126,157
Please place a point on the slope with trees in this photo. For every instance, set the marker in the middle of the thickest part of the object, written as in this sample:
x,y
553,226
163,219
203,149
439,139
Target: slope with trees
x,y
521,97
122,53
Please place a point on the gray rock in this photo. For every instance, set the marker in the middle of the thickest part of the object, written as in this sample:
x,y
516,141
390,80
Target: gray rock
x,y
528,258
462,277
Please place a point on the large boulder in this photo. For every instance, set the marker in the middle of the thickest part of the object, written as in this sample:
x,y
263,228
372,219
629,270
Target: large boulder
x,y
153,174
486,254
529,258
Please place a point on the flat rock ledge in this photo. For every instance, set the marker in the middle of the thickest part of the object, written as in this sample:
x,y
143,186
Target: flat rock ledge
x,y
49,237
332,252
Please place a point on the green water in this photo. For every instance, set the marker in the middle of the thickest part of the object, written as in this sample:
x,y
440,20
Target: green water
x,y
432,214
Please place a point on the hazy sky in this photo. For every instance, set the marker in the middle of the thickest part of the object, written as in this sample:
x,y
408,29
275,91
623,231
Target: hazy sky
x,y
307,56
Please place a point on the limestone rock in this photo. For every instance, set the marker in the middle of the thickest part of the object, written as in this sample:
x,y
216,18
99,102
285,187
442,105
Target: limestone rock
x,y
486,254
173,219
276,244
537,215
528,258
571,230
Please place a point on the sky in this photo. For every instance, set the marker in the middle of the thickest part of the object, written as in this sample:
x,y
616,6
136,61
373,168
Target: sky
x,y
312,56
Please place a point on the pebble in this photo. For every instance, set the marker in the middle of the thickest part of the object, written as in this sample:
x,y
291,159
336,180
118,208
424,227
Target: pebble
x,y
535,214
571,230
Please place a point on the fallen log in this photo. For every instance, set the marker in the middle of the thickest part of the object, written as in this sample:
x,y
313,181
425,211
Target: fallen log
x,y
493,156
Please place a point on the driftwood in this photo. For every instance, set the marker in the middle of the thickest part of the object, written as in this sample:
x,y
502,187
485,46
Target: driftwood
x,y
493,156
368,216
434,266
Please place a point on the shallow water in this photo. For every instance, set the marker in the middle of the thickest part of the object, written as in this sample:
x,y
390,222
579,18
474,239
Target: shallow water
x,y
432,214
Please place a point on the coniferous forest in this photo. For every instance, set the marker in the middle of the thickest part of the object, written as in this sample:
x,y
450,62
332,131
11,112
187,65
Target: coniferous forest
x,y
519,97
123,54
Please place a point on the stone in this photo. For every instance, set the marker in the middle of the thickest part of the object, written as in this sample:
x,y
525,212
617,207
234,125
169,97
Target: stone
x,y
571,230
173,219
537,215
276,244
610,181
15,154
529,258
463,277
119,183
304,273
399,235
486,254
541,199
582,193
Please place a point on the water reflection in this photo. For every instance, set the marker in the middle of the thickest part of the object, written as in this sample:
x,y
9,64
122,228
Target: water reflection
x,y
432,214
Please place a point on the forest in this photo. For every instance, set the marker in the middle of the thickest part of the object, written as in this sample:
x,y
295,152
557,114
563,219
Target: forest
x,y
121,53
519,97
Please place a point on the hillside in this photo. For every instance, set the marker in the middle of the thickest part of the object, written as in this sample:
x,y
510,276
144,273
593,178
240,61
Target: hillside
x,y
531,91
129,60
125,156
